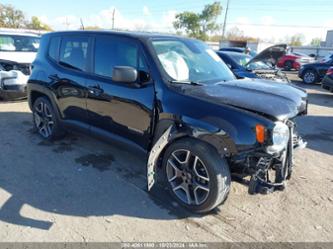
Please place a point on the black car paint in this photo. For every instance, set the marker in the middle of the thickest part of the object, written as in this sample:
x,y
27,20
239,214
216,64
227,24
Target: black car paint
x,y
320,68
147,109
235,93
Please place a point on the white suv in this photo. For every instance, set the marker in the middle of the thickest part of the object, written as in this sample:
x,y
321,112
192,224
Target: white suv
x,y
17,51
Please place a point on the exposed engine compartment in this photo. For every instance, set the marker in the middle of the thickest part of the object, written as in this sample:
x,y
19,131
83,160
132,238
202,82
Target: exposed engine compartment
x,y
275,75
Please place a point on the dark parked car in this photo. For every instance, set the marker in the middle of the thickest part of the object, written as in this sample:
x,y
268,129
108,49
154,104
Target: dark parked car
x,y
238,50
260,66
175,100
314,72
327,82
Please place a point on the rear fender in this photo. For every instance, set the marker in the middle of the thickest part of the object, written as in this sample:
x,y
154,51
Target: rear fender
x,y
43,91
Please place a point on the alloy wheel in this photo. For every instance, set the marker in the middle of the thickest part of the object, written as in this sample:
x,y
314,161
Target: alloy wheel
x,y
188,177
309,77
43,119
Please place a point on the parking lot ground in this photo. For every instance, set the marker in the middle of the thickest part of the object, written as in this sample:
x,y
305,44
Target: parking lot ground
x,y
81,189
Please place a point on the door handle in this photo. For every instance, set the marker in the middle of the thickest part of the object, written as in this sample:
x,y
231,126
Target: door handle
x,y
95,90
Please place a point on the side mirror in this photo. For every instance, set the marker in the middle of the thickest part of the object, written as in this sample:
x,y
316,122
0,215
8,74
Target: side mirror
x,y
124,74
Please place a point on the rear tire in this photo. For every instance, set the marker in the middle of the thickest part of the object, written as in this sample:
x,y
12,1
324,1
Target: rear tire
x,y
310,77
196,175
288,65
45,120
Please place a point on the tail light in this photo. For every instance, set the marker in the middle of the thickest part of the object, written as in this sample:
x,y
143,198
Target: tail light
x,y
330,71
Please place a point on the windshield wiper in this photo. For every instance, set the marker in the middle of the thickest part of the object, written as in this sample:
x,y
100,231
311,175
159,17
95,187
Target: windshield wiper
x,y
193,83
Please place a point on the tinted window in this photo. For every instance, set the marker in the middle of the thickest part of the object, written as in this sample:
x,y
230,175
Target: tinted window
x,y
73,52
111,52
54,47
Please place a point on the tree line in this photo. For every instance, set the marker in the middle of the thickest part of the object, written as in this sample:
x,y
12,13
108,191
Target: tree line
x,y
204,26
10,17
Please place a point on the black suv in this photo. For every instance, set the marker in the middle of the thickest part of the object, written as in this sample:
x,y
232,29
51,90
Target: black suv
x,y
174,99
314,72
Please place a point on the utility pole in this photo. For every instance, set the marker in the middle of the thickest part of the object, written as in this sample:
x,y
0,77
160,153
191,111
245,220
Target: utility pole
x,y
114,10
66,23
82,26
225,19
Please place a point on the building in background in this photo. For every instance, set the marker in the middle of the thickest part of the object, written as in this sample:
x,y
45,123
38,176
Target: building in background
x,y
257,46
329,39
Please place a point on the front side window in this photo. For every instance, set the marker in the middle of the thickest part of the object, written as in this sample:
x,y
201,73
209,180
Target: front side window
x,y
191,60
19,43
73,52
113,51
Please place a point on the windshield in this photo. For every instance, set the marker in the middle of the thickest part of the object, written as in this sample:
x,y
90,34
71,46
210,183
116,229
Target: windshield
x,y
243,60
191,60
19,43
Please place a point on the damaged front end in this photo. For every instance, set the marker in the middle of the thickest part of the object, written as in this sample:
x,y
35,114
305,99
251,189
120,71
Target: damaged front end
x,y
269,169
13,79
275,75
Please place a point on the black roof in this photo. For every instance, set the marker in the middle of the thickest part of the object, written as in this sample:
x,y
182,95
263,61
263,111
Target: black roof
x,y
133,34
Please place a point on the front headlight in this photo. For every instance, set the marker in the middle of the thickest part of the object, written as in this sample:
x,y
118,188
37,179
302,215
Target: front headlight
x,y
280,138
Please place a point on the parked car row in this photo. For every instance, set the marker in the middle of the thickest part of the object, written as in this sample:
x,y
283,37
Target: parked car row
x,y
258,66
294,60
266,64
172,98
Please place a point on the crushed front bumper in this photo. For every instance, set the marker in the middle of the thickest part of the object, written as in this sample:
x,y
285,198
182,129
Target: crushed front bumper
x,y
269,172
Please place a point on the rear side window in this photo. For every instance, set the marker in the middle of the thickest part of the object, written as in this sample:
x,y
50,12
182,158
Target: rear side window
x,y
73,52
54,48
113,51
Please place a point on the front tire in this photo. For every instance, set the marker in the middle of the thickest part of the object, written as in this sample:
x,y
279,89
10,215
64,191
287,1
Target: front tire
x,y
45,120
310,76
196,176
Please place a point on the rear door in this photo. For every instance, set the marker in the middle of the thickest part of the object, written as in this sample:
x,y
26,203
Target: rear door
x,y
69,80
123,109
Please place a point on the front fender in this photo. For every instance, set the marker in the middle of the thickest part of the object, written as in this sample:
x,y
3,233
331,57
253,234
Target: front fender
x,y
167,131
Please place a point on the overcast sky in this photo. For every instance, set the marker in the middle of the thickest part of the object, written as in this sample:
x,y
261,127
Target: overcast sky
x,y
266,19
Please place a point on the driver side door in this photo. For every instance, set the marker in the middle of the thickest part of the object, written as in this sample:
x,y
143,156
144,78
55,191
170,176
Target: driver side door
x,y
121,109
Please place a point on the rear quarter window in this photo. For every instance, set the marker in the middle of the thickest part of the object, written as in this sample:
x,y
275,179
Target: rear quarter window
x,y
53,51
